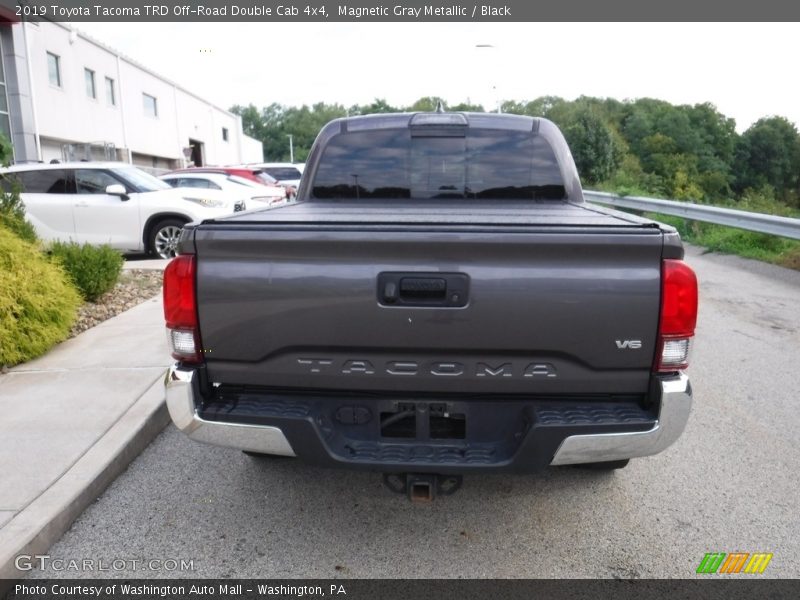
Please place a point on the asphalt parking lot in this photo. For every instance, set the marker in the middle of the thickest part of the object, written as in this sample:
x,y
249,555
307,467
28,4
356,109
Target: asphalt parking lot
x,y
730,484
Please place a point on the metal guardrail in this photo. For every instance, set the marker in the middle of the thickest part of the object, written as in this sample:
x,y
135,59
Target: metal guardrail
x,y
740,219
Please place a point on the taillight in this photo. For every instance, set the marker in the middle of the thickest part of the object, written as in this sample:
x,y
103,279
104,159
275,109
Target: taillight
x,y
678,315
180,309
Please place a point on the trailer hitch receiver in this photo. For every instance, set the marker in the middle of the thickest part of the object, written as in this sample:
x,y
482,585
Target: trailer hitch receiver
x,y
422,487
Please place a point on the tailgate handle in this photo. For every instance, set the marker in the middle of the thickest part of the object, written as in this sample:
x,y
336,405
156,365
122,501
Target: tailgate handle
x,y
423,287
449,290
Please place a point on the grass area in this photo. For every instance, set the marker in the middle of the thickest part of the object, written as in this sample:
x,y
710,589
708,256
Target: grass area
x,y
728,240
759,246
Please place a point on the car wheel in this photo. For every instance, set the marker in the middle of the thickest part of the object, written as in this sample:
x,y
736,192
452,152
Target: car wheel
x,y
610,465
164,238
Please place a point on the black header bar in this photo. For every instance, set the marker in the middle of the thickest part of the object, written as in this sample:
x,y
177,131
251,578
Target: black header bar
x,y
284,11
705,588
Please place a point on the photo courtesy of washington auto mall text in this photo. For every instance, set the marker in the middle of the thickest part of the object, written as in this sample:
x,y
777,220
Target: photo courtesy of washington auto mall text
x,y
182,590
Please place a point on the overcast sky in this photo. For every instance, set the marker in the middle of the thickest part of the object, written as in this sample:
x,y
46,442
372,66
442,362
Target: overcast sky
x,y
747,70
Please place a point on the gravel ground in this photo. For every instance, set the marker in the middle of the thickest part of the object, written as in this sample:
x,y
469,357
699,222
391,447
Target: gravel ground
x,y
134,287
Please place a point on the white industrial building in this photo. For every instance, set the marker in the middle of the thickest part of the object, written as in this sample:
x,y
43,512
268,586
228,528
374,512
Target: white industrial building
x,y
70,97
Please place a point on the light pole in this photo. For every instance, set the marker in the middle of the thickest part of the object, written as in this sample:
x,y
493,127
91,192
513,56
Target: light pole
x,y
494,87
291,147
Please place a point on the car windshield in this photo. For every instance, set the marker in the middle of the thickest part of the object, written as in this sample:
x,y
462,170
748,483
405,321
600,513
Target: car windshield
x,y
280,173
144,182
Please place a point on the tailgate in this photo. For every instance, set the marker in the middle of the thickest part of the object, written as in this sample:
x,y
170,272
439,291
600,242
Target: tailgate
x,y
536,312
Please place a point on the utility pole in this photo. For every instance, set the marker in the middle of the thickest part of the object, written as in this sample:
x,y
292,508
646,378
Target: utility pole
x,y
291,147
494,86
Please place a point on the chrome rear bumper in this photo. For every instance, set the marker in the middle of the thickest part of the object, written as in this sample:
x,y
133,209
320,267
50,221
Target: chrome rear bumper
x,y
676,403
182,409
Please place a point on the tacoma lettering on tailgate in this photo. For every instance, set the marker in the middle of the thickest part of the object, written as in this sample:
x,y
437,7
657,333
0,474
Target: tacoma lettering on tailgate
x,y
437,368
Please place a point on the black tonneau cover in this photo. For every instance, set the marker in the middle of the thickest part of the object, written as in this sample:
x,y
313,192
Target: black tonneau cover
x,y
548,213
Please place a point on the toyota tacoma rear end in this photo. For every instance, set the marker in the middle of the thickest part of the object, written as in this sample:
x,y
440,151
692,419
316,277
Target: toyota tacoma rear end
x,y
441,300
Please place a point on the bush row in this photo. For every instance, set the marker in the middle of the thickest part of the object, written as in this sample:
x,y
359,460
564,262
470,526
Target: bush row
x,y
41,289
37,301
93,269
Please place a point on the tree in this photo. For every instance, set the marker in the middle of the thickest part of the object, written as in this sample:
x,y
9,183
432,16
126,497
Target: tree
x,y
303,124
6,151
12,209
274,123
466,107
717,135
647,146
379,105
540,107
426,104
592,143
768,153
688,148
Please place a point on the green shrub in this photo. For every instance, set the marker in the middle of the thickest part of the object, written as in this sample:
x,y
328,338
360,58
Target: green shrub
x,y
93,269
6,151
728,240
37,302
763,200
12,211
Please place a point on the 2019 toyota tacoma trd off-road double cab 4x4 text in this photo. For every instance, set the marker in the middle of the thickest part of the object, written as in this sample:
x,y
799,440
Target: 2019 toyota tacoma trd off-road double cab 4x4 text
x,y
441,300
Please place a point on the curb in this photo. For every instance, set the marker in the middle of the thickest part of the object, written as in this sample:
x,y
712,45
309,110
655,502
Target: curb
x,y
157,264
42,523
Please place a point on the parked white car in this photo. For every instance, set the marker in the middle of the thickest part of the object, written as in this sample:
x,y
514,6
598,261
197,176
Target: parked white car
x,y
284,173
255,195
111,203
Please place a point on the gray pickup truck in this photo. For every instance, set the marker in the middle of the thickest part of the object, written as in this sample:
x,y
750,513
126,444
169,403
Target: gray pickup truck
x,y
441,300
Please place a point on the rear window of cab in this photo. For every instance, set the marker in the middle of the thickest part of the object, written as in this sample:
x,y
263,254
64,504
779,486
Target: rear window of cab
x,y
483,164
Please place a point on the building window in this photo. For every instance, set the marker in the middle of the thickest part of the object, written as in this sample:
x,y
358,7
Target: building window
x,y
54,69
111,96
150,105
224,134
5,122
88,74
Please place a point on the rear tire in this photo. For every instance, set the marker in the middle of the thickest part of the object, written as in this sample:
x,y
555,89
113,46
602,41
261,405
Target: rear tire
x,y
610,465
164,236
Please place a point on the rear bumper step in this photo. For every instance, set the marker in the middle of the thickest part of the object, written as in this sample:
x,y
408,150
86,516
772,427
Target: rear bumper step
x,y
420,435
